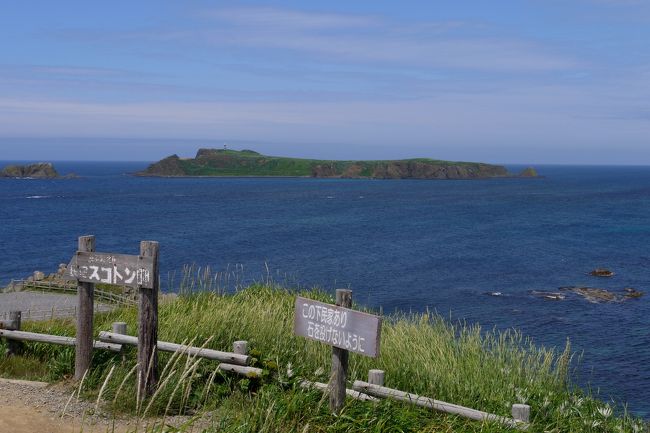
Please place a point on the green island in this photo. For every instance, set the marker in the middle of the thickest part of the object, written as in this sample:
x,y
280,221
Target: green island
x,y
423,354
226,162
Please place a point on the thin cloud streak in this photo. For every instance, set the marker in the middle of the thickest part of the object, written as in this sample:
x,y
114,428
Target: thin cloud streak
x,y
349,39
293,19
457,117
469,54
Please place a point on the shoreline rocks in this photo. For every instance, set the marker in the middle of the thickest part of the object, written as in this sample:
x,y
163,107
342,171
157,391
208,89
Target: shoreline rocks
x,y
594,295
550,296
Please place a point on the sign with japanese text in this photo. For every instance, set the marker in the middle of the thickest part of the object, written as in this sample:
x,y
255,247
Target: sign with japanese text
x,y
108,268
338,326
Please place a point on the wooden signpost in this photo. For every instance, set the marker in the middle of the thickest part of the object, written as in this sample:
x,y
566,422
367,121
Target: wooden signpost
x,y
148,324
339,326
138,271
85,307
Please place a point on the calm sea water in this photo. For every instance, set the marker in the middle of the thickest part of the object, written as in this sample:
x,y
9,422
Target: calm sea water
x,y
400,245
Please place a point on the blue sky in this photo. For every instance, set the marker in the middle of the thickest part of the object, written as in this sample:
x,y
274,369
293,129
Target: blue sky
x,y
542,81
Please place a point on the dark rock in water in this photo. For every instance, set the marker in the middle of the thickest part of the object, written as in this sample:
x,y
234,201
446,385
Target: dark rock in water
x,y
40,170
597,295
601,272
632,293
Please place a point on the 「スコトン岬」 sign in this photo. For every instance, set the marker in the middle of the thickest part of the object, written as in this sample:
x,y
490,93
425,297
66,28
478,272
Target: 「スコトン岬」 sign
x,y
108,268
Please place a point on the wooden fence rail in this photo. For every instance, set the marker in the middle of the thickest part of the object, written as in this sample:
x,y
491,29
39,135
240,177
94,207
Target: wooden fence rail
x,y
51,286
52,313
323,387
54,339
521,413
225,357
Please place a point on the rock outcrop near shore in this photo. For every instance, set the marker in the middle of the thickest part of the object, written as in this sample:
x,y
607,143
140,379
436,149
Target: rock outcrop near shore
x,y
222,162
170,166
529,172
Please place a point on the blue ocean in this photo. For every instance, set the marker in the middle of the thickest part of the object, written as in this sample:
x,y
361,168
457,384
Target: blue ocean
x,y
406,245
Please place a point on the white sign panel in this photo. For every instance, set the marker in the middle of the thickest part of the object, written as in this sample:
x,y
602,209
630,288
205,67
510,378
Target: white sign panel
x,y
336,326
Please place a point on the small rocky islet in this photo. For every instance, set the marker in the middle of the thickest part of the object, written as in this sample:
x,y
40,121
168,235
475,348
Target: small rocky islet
x,y
39,170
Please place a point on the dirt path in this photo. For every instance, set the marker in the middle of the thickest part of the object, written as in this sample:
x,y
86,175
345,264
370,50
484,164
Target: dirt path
x,y
24,419
36,407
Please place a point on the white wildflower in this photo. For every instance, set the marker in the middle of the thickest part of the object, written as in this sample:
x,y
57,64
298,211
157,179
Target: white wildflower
x,y
606,411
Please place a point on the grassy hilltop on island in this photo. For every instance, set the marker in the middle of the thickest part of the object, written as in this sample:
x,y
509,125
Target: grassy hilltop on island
x,y
225,162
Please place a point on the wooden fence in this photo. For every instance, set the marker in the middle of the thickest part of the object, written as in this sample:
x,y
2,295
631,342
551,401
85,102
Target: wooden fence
x,y
236,361
71,288
366,328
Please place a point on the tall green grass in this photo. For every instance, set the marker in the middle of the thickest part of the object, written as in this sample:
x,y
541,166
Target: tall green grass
x,y
420,353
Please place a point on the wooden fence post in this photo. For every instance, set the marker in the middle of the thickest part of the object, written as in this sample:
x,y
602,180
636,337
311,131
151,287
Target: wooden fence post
x,y
240,347
376,377
120,328
148,325
85,301
14,347
521,412
339,374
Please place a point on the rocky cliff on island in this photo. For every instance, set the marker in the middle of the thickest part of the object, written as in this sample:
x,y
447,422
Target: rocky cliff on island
x,y
40,170
225,162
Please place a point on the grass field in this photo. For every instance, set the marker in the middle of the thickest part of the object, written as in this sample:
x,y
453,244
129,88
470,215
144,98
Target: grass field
x,y
421,353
